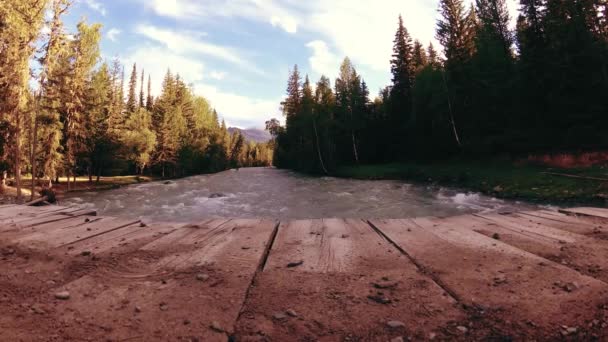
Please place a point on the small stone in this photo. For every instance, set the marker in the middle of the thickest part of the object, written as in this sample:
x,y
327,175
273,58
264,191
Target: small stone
x,y
496,236
9,251
395,324
63,295
462,329
386,284
142,224
345,236
295,264
571,330
571,287
245,248
397,339
380,299
292,313
85,253
38,310
432,336
87,220
202,277
187,322
163,307
215,326
500,279
279,316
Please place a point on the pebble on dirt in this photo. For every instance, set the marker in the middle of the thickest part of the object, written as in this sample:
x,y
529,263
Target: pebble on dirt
x,y
295,264
63,295
395,324
462,329
279,316
397,339
215,326
292,313
202,277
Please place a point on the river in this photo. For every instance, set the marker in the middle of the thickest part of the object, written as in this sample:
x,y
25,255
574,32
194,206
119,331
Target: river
x,y
281,194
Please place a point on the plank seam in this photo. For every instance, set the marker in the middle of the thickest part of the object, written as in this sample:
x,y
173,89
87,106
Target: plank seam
x,y
96,235
259,270
418,265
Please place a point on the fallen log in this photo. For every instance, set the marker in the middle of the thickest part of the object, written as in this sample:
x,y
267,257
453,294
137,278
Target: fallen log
x,y
575,176
37,201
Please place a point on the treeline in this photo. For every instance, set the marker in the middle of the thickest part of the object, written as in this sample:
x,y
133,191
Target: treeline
x,y
540,88
77,119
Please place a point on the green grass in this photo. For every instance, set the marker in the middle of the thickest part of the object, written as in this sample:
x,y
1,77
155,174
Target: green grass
x,y
497,178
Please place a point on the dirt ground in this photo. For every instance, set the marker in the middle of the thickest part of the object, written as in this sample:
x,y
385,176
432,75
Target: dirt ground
x,y
321,280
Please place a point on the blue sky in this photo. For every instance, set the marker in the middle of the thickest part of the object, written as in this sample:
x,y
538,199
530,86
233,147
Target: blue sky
x,y
237,53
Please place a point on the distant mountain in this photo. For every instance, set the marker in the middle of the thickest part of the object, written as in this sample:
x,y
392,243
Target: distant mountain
x,y
252,134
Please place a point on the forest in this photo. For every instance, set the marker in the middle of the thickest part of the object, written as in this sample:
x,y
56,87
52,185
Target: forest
x,y
65,112
493,91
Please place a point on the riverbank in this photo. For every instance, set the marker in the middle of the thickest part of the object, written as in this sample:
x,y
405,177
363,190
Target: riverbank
x,y
82,184
498,178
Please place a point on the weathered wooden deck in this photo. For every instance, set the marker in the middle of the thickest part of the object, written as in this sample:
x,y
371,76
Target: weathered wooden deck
x,y
528,275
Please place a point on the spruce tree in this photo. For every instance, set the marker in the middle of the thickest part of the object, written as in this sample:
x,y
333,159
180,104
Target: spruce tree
x,y
150,98
131,98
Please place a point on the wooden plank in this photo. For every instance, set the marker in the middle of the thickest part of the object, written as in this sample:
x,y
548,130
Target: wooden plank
x,y
118,238
575,225
582,253
594,212
523,225
348,274
66,235
134,280
484,271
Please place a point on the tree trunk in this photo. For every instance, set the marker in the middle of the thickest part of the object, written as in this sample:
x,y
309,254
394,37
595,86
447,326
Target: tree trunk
x,y
68,178
98,173
355,147
314,125
18,154
453,123
33,155
3,177
90,172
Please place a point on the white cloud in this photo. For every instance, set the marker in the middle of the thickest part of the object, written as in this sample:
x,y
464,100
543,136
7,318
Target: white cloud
x,y
323,61
182,43
217,75
288,24
238,110
268,11
113,33
96,6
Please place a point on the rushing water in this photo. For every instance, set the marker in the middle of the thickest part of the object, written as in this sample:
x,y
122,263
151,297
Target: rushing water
x,y
272,193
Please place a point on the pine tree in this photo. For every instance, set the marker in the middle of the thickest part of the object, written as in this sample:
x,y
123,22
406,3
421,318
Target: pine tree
x,y
456,32
420,58
141,91
150,98
403,71
21,25
48,126
132,99
79,66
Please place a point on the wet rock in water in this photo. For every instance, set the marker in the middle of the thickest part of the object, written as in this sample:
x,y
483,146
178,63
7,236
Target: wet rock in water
x,y
217,195
202,277
291,313
215,326
395,324
168,182
63,295
295,264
